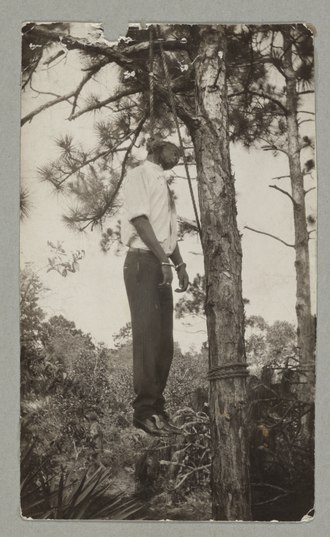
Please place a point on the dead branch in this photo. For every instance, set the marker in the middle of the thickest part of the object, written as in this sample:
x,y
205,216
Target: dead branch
x,y
105,102
279,496
306,112
260,94
309,190
270,235
123,55
75,94
283,192
280,177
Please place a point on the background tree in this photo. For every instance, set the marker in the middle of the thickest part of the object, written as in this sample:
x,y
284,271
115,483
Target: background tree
x,y
263,110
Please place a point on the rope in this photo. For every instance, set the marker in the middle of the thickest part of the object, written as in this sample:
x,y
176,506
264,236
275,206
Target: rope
x,y
151,82
234,369
175,116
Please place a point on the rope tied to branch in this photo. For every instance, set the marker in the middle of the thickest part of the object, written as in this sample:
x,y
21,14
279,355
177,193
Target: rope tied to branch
x,y
174,112
232,370
151,82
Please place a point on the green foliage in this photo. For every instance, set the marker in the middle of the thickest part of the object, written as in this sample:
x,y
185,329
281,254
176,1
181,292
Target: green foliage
x,y
124,336
24,203
269,345
66,496
188,374
193,302
60,262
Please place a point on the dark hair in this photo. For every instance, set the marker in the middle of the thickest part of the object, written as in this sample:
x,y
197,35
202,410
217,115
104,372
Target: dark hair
x,y
154,145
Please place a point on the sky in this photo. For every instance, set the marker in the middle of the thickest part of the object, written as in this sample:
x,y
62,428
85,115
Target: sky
x,y
94,298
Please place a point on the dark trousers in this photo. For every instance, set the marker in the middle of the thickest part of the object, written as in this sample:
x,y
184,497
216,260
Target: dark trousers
x,y
151,309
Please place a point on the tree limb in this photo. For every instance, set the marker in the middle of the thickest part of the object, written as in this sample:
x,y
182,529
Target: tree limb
x,y
304,92
309,189
270,235
108,204
43,107
100,104
123,55
283,192
260,94
75,93
280,177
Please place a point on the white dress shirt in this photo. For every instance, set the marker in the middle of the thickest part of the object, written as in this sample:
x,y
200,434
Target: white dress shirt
x,y
146,193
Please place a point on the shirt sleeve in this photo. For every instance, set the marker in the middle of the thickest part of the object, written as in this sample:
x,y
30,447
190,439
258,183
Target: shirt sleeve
x,y
136,194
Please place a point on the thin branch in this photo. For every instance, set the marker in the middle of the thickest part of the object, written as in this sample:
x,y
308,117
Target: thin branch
x,y
100,104
260,94
270,235
268,485
33,69
305,112
280,177
43,107
304,92
283,192
272,147
122,55
83,82
309,189
273,499
75,93
305,121
122,175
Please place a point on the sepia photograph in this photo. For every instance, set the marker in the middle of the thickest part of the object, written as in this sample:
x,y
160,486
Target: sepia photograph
x,y
168,217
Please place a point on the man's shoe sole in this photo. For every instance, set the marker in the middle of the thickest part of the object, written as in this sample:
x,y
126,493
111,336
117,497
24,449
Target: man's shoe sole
x,y
154,432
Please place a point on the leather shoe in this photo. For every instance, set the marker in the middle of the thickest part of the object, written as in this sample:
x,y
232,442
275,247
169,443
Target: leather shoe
x,y
152,425
164,417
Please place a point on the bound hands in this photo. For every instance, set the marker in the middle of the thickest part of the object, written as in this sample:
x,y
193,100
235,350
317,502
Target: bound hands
x,y
183,279
167,276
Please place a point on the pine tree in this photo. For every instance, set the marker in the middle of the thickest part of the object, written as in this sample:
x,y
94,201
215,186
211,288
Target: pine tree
x,y
263,111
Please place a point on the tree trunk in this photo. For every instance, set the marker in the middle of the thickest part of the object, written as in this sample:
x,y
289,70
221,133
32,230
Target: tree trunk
x,y
305,321
224,304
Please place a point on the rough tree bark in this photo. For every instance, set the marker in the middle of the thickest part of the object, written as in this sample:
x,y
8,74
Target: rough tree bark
x,y
223,259
305,321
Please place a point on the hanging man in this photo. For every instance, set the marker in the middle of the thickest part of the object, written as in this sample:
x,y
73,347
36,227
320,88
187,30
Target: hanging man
x,y
150,232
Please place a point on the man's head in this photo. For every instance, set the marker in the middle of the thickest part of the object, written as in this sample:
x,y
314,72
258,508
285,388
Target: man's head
x,y
164,153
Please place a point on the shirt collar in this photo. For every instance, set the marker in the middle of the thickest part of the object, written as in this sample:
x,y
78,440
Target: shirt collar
x,y
154,165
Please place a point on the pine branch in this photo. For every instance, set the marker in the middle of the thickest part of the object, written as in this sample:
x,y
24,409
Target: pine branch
x,y
105,102
109,203
305,112
260,94
85,79
39,92
283,192
124,56
272,147
75,94
280,177
43,107
270,235
102,154
309,189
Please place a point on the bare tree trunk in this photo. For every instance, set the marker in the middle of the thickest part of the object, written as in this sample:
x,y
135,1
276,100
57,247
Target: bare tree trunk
x,y
305,321
224,304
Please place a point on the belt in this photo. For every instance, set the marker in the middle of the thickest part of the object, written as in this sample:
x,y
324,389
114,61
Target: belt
x,y
140,251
